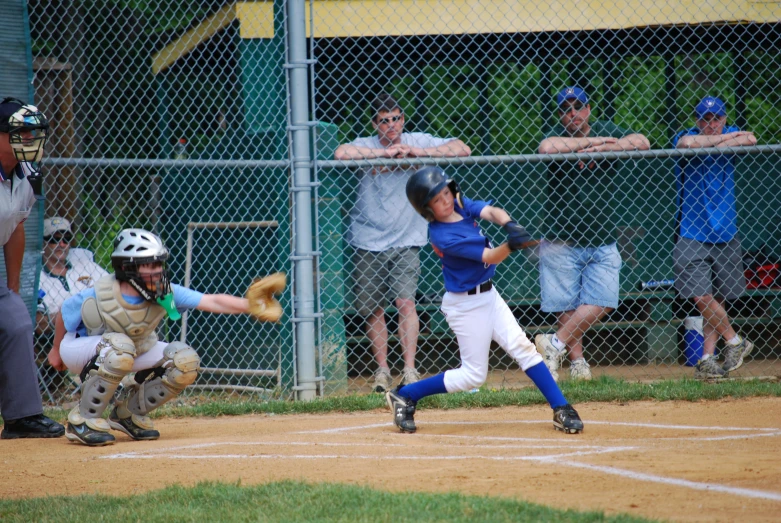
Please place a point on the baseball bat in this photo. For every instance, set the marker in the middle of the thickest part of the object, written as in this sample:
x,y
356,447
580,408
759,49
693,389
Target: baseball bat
x,y
655,285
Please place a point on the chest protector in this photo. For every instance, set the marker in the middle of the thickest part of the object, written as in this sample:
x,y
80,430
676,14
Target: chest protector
x,y
111,313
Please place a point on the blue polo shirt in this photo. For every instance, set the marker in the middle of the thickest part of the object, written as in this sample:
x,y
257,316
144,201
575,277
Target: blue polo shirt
x,y
706,194
460,246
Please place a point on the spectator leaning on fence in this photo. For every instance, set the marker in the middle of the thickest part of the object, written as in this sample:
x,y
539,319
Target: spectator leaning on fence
x,y
579,260
23,132
386,232
707,256
66,271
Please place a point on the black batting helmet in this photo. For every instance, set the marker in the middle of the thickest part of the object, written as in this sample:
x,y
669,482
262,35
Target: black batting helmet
x,y
424,185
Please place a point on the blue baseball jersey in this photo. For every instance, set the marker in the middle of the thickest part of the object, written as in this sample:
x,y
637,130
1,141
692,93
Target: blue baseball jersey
x,y
460,246
184,299
706,194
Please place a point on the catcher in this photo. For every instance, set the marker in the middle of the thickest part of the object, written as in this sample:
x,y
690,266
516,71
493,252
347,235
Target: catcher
x,y
109,331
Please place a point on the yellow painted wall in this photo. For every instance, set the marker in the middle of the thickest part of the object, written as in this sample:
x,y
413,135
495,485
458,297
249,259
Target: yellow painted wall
x,y
353,18
192,38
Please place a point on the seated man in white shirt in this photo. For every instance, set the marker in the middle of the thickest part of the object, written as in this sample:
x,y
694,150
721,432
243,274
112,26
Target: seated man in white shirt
x,y
66,271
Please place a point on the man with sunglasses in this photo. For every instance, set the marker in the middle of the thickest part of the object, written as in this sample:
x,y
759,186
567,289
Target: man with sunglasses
x,y
23,131
707,257
387,233
579,261
66,271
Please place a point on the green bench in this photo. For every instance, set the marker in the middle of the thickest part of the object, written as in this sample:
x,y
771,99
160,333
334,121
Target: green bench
x,y
649,323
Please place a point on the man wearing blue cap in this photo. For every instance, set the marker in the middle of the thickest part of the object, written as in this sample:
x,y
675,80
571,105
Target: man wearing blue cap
x,y
23,131
579,261
707,256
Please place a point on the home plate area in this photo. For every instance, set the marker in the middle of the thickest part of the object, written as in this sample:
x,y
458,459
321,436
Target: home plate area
x,y
621,455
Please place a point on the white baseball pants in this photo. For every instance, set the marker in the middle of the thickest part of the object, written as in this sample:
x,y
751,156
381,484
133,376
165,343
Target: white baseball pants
x,y
476,320
76,352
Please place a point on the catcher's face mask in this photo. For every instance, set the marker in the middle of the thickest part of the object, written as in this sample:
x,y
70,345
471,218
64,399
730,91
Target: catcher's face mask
x,y
28,130
157,283
151,280
139,258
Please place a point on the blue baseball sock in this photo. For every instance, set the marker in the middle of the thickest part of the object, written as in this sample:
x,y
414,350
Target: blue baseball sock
x,y
423,388
541,377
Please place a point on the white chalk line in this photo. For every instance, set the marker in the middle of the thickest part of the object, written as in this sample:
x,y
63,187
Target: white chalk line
x,y
559,459
167,451
586,422
670,438
696,485
160,454
724,438
347,444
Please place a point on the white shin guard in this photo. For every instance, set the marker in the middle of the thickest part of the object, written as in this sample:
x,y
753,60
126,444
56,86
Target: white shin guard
x,y
98,388
180,363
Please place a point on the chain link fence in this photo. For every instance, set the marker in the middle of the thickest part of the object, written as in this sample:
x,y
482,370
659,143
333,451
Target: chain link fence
x,y
176,117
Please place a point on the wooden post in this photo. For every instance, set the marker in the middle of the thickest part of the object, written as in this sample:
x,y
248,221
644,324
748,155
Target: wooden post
x,y
54,97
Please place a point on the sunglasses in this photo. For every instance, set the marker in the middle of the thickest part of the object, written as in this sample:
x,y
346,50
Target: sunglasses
x,y
390,119
67,238
565,108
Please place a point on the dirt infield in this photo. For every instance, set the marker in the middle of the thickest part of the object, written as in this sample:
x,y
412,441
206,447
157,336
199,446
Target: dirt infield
x,y
705,461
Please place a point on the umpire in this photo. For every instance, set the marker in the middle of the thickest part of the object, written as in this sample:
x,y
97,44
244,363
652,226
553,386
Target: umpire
x,y
23,131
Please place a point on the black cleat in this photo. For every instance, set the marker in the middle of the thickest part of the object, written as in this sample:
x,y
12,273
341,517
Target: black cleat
x,y
85,435
566,419
38,426
403,410
129,427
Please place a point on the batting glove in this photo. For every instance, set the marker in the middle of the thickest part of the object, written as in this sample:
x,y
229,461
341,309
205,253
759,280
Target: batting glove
x,y
517,236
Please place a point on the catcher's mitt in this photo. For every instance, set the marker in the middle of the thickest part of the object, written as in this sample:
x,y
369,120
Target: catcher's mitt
x,y
262,304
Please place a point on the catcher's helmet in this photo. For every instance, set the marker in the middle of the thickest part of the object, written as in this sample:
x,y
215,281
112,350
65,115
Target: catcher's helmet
x,y
424,185
27,129
134,247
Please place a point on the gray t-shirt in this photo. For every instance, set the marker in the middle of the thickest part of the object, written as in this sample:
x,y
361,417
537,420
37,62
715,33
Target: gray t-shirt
x,y
16,201
382,218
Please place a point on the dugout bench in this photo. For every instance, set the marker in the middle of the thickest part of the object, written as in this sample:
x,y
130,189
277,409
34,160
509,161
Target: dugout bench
x,y
647,327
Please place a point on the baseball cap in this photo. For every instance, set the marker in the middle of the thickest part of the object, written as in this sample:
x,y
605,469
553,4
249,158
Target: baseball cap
x,y
572,93
8,106
56,224
712,105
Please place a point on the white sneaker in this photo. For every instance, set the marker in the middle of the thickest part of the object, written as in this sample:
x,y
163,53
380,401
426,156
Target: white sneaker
x,y
580,370
383,382
409,376
550,354
734,354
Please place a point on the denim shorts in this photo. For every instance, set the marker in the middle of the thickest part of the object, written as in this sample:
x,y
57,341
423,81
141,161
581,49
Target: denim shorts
x,y
573,276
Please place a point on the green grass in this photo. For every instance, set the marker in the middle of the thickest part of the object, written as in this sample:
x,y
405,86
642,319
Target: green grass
x,y
603,389
288,501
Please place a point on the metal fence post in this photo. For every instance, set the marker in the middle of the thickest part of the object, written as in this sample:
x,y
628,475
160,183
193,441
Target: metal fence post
x,y
299,128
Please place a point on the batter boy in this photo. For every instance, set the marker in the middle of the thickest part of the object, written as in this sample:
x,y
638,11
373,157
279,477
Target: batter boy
x,y
473,308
